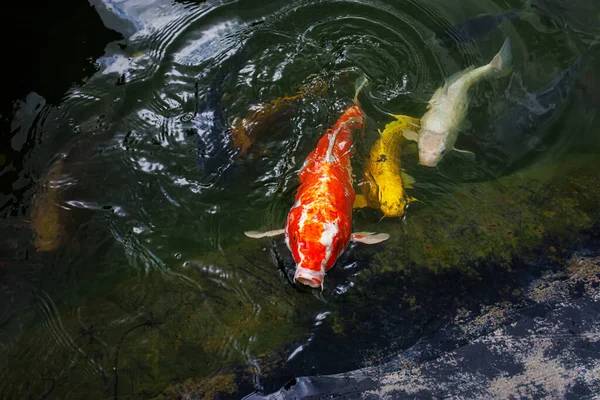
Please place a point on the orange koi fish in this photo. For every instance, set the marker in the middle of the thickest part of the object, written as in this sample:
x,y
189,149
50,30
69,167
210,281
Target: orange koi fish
x,y
319,225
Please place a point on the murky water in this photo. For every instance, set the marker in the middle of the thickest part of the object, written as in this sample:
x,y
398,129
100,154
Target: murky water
x,y
124,268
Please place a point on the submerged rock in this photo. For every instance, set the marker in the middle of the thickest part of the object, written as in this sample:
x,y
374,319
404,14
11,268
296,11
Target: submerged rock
x,y
549,348
497,220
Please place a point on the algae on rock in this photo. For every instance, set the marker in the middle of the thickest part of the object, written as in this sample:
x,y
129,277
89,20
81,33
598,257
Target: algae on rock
x,y
496,220
187,328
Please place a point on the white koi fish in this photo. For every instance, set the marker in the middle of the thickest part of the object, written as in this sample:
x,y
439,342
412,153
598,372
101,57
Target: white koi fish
x,y
448,107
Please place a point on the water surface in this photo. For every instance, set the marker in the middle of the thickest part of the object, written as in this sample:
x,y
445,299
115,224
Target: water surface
x,y
125,271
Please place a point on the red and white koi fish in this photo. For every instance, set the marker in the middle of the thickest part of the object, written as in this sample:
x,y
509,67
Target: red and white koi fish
x,y
319,225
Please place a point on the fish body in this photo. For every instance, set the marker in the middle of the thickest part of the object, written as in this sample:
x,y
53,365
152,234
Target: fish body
x,y
266,117
244,132
319,226
46,216
384,186
448,107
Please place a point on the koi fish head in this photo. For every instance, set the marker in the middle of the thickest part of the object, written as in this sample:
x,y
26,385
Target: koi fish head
x,y
393,208
316,246
432,147
390,196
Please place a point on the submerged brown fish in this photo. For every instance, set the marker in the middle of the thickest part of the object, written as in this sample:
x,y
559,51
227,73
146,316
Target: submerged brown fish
x,y
46,221
384,179
262,119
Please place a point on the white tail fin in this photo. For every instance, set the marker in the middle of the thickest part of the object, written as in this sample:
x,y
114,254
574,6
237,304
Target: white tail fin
x,y
502,62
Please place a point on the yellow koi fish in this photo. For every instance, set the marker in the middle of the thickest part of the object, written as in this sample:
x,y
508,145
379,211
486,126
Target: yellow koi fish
x,y
385,181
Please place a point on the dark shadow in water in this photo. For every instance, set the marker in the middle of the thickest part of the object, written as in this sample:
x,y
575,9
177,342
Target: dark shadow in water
x,y
212,149
518,135
49,47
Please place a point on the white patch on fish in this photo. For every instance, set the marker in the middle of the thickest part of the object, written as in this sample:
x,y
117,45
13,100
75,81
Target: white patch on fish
x,y
333,137
330,230
301,223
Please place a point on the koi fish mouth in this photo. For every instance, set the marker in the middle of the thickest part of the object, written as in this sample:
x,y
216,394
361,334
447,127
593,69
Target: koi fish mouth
x,y
308,277
428,160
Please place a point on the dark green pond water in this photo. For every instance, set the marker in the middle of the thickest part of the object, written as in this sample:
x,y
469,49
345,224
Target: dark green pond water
x,y
124,270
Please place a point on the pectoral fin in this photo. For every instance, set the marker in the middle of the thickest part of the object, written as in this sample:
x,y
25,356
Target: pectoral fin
x,y
258,235
360,201
369,237
467,152
407,179
410,135
416,122
464,125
